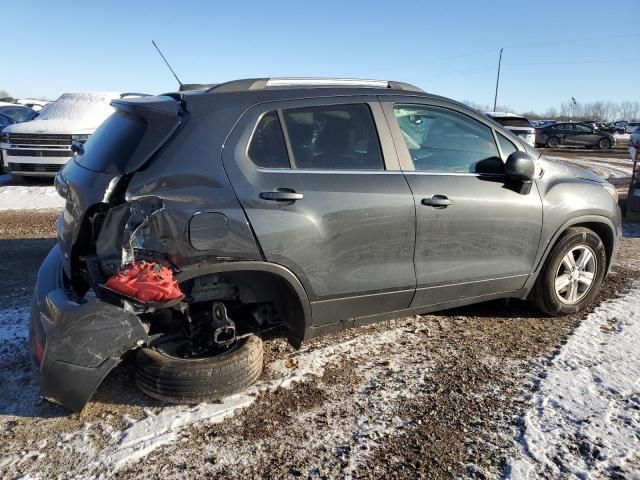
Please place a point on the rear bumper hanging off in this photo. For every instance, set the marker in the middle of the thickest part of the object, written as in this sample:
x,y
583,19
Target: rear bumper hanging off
x,y
75,344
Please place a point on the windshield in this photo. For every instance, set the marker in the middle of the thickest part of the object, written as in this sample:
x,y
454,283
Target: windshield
x,y
90,108
512,121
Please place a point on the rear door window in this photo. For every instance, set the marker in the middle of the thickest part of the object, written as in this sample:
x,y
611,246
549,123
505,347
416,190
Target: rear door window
x,y
333,137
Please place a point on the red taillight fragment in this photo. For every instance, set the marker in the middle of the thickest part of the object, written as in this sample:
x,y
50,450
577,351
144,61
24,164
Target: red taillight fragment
x,y
38,350
146,282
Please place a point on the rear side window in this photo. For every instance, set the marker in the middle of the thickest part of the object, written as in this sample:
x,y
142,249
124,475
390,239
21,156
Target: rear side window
x,y
333,137
267,147
442,140
111,146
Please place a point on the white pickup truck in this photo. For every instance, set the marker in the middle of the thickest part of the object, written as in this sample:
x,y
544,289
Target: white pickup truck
x,y
41,147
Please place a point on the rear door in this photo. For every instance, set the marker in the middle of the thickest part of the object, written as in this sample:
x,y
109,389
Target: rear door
x,y
476,235
320,183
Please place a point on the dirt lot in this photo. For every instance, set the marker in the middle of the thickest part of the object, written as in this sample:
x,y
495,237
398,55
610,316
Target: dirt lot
x,y
434,396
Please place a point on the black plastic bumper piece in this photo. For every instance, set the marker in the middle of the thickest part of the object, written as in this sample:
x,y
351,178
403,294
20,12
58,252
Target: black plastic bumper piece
x,y
75,344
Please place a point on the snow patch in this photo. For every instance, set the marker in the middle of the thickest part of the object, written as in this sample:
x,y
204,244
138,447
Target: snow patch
x,y
584,422
36,197
163,428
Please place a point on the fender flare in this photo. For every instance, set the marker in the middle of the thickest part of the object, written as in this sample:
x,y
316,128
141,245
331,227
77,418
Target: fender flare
x,y
284,273
559,231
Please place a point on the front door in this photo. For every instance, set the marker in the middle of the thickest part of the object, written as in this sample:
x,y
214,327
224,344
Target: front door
x,y
321,186
476,234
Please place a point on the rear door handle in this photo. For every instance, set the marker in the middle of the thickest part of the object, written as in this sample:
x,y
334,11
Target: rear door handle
x,y
282,196
437,201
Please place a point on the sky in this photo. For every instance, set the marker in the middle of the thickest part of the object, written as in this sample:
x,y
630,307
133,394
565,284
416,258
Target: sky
x,y
553,50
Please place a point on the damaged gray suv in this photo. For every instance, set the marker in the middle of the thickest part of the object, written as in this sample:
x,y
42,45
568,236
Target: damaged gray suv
x,y
198,224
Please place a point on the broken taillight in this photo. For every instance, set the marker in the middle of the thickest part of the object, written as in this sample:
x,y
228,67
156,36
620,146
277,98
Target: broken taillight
x,y
146,282
37,350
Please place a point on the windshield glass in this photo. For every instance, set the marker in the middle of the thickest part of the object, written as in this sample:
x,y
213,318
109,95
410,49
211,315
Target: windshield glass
x,y
90,108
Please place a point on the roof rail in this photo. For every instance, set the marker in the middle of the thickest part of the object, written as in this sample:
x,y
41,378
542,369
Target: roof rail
x,y
265,83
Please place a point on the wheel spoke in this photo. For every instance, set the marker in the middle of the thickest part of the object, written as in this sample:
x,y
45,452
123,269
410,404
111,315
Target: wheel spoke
x,y
561,282
584,258
586,278
572,292
568,261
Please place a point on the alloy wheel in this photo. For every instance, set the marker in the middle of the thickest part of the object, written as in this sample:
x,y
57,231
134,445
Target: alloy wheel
x,y
575,275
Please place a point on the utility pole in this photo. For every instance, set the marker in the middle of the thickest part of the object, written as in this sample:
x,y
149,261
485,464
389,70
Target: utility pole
x,y
495,99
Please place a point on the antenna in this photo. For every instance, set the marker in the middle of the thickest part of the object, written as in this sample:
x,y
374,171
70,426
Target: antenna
x,y
165,61
495,99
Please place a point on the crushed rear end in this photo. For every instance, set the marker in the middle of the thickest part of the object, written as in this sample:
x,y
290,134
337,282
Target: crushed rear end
x,y
78,330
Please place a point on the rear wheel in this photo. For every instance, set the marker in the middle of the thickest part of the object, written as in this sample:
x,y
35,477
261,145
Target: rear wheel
x,y
553,142
193,380
604,144
572,274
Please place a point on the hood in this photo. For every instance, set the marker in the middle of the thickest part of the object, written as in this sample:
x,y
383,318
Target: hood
x,y
563,169
54,125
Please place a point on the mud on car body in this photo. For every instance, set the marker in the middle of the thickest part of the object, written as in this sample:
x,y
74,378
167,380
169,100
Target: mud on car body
x,y
291,208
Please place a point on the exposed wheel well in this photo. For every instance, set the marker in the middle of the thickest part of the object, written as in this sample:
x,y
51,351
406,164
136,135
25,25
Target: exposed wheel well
x,y
254,287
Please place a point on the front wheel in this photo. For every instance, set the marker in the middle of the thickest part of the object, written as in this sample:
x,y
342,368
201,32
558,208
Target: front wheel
x,y
604,144
193,380
572,274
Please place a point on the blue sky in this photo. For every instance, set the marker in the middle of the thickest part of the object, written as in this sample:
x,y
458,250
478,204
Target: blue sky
x,y
552,50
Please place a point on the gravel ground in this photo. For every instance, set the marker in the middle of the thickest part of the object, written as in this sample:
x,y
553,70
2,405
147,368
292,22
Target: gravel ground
x,y
434,396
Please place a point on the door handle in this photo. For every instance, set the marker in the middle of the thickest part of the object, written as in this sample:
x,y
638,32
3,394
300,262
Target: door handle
x,y
282,196
437,201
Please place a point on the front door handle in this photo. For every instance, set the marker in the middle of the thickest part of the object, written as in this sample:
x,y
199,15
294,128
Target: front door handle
x,y
282,196
437,201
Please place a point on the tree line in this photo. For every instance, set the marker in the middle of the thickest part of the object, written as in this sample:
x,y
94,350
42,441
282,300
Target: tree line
x,y
599,111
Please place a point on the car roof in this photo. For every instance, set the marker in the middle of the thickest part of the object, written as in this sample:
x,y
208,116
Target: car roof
x,y
296,88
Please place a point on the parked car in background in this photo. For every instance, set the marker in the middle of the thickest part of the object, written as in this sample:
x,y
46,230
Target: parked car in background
x,y
620,127
19,113
197,223
41,147
574,135
517,124
630,127
10,115
37,105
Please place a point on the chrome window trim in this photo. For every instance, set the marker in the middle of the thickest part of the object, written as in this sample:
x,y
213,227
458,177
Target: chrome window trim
x,y
375,172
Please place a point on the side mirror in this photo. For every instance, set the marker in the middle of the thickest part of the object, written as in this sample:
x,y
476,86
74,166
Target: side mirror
x,y
520,166
77,148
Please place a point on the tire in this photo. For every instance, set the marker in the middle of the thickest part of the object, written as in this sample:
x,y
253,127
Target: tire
x,y
604,144
196,380
553,142
544,295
